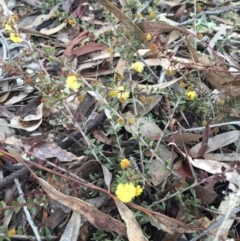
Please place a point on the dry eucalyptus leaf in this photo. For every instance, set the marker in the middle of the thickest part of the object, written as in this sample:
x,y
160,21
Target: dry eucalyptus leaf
x,y
17,122
145,107
97,218
71,231
217,142
134,231
49,150
214,167
158,172
5,130
143,127
22,94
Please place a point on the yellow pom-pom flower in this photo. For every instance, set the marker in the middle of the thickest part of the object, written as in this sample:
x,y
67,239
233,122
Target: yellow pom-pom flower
x,y
112,93
191,94
149,37
142,98
8,27
72,82
132,120
152,14
12,232
120,121
125,163
139,15
122,94
126,192
182,84
109,50
138,67
139,191
71,21
15,38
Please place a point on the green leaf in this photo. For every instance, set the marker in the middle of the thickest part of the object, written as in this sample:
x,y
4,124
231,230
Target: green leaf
x,y
20,200
47,231
7,212
19,231
33,210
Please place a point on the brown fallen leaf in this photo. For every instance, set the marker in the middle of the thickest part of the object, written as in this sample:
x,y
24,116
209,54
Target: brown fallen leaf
x,y
186,138
159,26
89,48
93,215
134,232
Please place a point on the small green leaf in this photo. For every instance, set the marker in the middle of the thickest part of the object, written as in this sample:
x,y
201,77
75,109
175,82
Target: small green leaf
x,y
19,231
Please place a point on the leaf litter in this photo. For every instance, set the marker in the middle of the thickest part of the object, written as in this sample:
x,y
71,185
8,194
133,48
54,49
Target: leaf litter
x,y
66,145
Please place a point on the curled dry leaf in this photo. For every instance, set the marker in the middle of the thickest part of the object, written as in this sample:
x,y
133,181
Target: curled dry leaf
x,y
134,232
30,122
17,122
93,215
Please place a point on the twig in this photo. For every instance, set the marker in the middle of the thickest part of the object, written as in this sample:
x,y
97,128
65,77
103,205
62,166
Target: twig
x,y
217,223
29,218
215,12
197,129
5,47
8,181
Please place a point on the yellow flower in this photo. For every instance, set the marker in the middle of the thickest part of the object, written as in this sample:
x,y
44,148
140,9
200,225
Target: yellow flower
x,y
11,232
182,84
109,50
120,121
221,102
199,8
122,100
124,163
191,94
150,99
112,93
72,82
170,72
126,192
138,67
80,98
132,120
149,37
142,98
8,27
139,15
152,15
139,191
15,37
200,36
122,94
70,21
204,123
